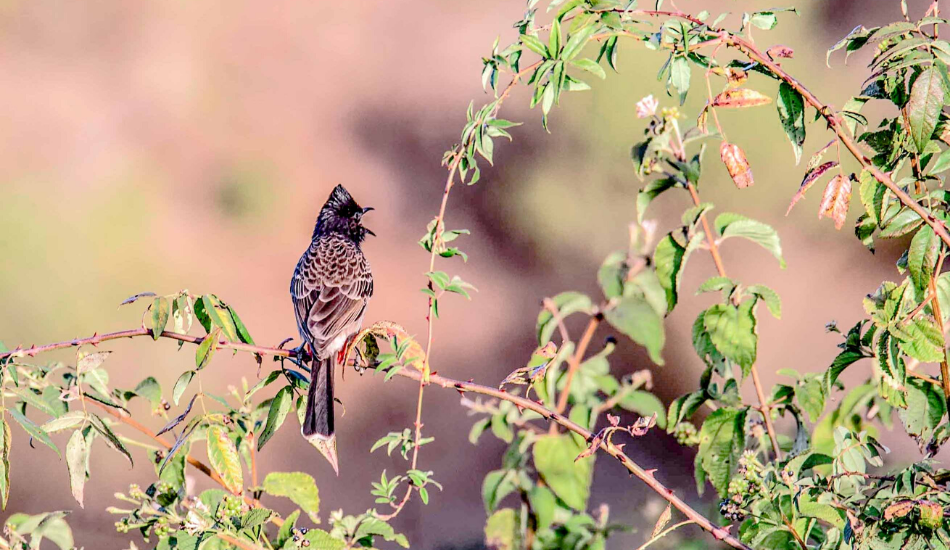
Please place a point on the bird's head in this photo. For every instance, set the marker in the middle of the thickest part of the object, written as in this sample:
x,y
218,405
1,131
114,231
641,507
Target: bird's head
x,y
341,214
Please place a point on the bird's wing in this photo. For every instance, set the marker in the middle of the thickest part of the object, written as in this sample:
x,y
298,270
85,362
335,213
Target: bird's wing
x,y
330,289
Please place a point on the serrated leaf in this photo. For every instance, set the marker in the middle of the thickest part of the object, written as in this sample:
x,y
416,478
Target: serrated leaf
x,y
670,259
224,459
922,256
925,409
927,97
771,298
298,487
721,442
732,331
733,225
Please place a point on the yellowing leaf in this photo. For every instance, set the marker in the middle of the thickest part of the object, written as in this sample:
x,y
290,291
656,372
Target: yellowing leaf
x,y
739,98
810,179
5,461
736,164
662,521
836,200
224,459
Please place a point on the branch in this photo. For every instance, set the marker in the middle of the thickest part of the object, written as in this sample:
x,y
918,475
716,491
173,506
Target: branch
x,y
646,476
834,122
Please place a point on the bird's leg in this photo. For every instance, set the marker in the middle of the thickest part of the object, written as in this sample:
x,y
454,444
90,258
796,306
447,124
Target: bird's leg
x,y
302,355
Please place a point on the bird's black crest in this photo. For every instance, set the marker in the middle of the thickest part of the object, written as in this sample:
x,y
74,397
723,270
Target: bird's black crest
x,y
340,214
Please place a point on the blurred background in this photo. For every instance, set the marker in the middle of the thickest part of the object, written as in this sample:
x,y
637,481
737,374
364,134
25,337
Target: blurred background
x,y
155,146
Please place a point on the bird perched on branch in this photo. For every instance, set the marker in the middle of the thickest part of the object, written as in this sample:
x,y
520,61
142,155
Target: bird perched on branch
x,y
331,288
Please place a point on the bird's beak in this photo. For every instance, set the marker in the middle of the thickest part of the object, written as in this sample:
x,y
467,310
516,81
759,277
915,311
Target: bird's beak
x,y
367,209
370,231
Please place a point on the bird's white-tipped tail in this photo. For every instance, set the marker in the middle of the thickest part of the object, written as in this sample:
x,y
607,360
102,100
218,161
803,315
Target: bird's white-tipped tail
x,y
327,447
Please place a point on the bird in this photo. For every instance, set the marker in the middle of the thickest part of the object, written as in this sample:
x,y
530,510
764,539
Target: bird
x,y
331,288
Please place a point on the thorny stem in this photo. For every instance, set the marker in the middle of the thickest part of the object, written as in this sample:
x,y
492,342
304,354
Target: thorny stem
x,y
646,476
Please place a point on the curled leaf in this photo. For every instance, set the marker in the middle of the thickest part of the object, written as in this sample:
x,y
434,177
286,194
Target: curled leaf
x,y
810,179
736,164
412,356
836,199
739,98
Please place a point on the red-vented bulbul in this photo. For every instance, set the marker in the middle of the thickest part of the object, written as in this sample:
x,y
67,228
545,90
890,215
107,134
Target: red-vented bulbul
x,y
330,289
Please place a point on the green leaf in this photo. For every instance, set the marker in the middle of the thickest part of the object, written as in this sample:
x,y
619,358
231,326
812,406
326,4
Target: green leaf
x,y
182,384
811,396
922,256
182,313
554,460
159,317
6,438
670,259
206,348
319,539
279,407
287,529
220,317
651,190
576,43
151,390
721,442
534,45
224,459
298,487
636,318
543,505
679,77
590,66
77,454
927,97
942,163
770,297
732,332
49,526
33,430
925,408
844,360
502,531
496,486
242,331
733,225
791,112
554,39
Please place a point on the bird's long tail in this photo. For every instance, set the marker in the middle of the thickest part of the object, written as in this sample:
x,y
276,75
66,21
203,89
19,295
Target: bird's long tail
x,y
317,425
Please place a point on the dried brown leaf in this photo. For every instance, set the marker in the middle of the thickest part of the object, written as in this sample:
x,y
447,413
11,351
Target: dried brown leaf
x,y
736,164
780,51
899,509
736,76
643,425
740,97
816,158
662,521
810,177
836,200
